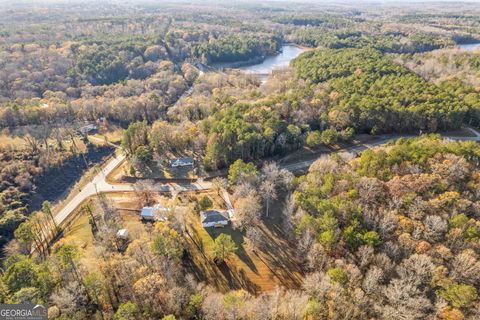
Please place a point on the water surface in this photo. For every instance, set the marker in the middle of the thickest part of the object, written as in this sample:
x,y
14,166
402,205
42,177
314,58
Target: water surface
x,y
470,46
288,53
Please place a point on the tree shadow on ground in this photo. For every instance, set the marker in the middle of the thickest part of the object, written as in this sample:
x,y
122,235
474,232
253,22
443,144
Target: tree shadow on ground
x,y
237,237
253,270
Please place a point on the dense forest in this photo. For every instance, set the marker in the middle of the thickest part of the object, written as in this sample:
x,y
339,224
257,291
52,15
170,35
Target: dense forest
x,y
393,230
392,233
234,48
371,93
329,92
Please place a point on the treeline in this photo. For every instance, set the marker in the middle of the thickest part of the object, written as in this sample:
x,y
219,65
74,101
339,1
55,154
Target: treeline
x,y
325,20
233,48
124,102
388,43
369,92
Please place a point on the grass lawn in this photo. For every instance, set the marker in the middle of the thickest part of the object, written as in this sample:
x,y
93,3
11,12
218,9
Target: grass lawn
x,y
158,172
274,264
79,232
109,132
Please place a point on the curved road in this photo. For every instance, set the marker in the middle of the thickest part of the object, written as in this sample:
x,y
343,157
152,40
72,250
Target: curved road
x,y
99,183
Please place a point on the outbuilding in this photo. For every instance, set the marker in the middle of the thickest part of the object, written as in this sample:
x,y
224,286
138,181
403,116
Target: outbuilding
x,y
147,214
156,213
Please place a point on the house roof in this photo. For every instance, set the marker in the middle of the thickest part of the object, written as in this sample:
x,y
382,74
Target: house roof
x,y
184,160
147,212
158,212
213,216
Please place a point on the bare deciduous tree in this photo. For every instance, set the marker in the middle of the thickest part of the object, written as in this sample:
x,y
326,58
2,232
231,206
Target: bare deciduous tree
x,y
144,189
268,193
372,279
255,238
435,228
247,211
466,268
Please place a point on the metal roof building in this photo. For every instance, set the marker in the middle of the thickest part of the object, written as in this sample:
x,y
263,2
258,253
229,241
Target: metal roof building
x,y
214,218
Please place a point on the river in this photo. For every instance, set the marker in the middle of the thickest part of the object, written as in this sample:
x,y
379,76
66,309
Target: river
x,y
287,53
470,46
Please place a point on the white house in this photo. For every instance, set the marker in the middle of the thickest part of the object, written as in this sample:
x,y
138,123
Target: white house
x,y
214,218
87,129
156,213
182,162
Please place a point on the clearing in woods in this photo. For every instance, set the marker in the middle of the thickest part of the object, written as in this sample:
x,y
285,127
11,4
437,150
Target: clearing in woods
x,y
271,265
264,269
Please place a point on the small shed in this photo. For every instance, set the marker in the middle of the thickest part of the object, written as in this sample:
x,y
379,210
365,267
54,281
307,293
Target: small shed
x,y
214,218
156,213
147,214
122,234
